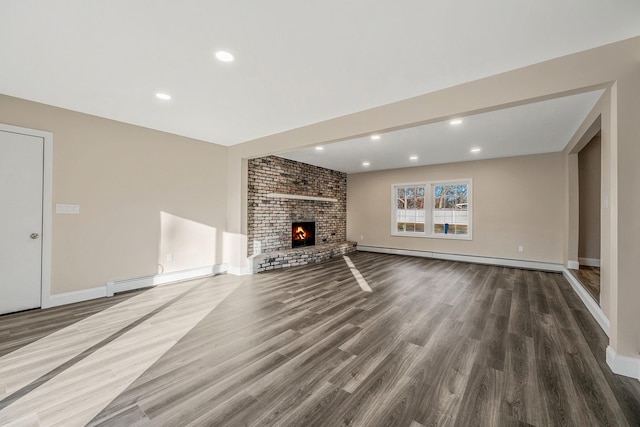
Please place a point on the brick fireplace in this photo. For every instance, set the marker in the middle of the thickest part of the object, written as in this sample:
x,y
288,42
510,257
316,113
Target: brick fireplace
x,y
282,192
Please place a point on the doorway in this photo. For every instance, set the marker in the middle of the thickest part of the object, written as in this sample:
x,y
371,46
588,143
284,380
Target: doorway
x,y
25,218
589,183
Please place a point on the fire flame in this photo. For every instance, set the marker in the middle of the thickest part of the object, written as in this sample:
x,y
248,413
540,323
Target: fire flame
x,y
299,234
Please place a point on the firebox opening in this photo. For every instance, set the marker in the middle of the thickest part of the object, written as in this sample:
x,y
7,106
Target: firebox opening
x,y
303,234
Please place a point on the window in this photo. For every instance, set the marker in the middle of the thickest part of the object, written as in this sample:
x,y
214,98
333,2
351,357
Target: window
x,y
450,209
409,211
448,212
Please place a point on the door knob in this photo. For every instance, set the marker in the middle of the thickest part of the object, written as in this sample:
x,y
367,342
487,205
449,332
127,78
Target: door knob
x,y
34,235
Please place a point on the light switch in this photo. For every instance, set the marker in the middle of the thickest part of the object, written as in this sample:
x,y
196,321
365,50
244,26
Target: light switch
x,y
67,209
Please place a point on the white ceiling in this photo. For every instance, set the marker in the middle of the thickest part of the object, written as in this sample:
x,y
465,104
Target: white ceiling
x,y
297,63
540,127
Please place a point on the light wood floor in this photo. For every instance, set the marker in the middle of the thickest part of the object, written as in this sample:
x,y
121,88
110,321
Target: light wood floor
x,y
433,343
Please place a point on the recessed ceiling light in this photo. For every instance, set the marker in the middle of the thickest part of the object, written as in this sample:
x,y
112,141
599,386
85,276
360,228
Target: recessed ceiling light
x,y
475,150
365,163
413,158
163,96
455,122
225,56
319,148
375,137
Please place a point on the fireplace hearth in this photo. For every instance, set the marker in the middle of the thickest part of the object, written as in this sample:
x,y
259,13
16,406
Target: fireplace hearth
x,y
303,234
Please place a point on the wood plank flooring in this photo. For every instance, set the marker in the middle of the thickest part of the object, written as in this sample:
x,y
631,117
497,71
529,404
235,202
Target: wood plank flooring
x,y
589,277
434,343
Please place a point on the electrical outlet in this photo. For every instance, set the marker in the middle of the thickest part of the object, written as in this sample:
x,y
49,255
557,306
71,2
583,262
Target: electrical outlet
x,y
169,257
361,237
520,248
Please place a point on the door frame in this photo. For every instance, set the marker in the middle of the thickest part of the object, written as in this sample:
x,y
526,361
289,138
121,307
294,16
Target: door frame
x,y
47,206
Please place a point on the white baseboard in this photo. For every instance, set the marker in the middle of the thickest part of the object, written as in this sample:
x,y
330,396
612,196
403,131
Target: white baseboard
x,y
588,301
574,265
163,279
407,252
589,262
239,271
75,296
623,365
128,285
516,263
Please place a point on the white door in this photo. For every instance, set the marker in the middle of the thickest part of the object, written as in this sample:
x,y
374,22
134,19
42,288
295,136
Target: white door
x,y
21,189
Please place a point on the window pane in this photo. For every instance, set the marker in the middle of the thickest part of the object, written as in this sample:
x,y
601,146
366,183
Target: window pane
x,y
409,209
450,209
411,193
437,196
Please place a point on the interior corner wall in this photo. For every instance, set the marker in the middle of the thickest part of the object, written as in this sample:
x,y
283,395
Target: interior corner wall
x,y
589,159
150,202
626,207
516,202
600,121
573,225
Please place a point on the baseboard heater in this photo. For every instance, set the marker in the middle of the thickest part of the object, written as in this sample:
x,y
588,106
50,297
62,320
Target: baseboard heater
x,y
163,279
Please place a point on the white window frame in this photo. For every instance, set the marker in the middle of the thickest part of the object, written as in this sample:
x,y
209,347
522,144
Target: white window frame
x,y
429,202
394,222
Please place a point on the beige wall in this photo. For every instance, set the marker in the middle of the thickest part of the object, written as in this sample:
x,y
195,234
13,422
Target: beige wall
x,y
601,120
589,159
516,201
615,67
142,194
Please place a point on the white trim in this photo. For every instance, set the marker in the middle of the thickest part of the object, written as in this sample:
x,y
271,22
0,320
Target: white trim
x,y
301,197
241,271
469,235
589,262
407,252
47,204
588,301
163,279
516,263
505,262
76,296
394,210
131,284
573,265
429,211
623,365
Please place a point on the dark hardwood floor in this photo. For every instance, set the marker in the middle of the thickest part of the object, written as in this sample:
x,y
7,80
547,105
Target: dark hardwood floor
x,y
434,343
